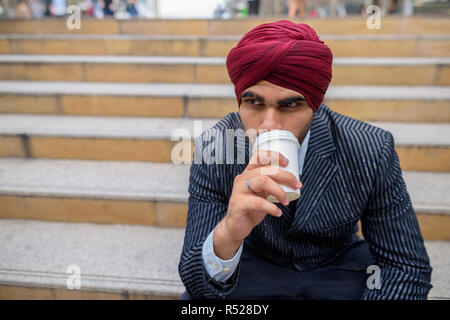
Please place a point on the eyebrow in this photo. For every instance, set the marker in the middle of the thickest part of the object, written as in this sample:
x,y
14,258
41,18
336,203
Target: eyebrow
x,y
249,94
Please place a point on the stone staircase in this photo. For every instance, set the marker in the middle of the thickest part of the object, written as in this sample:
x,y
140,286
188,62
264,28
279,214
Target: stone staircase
x,y
86,124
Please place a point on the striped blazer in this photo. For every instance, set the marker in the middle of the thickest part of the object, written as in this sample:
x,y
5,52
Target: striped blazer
x,y
351,173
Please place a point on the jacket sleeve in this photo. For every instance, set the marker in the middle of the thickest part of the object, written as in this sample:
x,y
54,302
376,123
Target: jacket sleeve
x,y
207,206
389,224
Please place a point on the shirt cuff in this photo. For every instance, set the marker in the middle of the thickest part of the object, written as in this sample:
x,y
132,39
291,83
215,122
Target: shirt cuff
x,y
218,269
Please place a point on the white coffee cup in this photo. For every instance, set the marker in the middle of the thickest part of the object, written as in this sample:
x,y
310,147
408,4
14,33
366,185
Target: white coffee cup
x,y
284,142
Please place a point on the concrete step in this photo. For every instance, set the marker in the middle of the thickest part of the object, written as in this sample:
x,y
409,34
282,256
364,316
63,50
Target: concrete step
x,y
351,45
367,103
113,192
115,261
153,193
346,71
420,146
349,25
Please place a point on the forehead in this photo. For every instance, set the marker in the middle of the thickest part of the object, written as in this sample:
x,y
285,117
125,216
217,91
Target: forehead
x,y
265,88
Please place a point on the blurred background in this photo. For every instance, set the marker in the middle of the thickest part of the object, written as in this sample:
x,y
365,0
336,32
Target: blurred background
x,y
93,114
219,9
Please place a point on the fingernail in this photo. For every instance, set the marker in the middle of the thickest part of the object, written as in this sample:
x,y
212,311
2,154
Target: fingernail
x,y
279,212
285,161
286,202
299,184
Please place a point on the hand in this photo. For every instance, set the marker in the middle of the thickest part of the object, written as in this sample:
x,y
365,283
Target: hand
x,y
247,209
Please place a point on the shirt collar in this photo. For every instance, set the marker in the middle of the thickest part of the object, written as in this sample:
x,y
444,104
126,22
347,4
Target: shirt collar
x,y
302,153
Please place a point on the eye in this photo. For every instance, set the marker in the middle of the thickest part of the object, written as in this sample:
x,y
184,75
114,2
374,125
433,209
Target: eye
x,y
292,104
252,101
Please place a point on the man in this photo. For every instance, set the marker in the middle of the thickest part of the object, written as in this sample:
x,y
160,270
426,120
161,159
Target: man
x,y
294,6
253,7
238,245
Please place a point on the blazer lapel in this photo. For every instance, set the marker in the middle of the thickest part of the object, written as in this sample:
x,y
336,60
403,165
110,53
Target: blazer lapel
x,y
318,172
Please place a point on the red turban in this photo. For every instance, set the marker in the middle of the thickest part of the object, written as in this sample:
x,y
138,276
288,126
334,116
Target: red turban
x,y
286,54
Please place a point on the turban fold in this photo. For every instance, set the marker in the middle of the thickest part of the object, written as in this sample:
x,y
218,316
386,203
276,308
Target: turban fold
x,y
286,54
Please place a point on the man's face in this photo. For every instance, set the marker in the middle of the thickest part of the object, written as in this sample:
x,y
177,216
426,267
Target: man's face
x,y
268,106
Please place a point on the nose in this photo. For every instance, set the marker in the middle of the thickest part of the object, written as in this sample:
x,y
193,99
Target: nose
x,y
271,120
